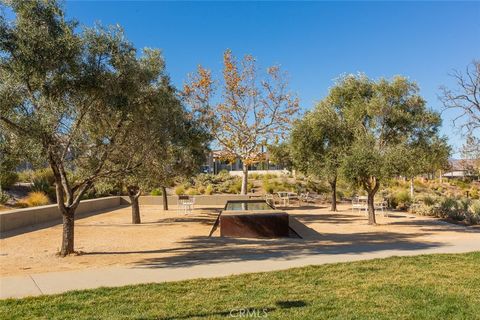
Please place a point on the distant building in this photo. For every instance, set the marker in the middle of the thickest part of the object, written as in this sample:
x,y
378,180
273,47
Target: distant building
x,y
462,168
216,163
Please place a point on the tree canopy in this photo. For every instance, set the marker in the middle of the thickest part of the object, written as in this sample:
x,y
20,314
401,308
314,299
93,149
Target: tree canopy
x,y
84,98
392,128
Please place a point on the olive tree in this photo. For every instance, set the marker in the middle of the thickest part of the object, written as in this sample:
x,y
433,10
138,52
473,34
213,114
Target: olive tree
x,y
319,142
389,120
73,94
167,143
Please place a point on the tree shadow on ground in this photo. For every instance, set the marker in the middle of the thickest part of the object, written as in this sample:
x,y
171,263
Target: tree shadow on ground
x,y
434,225
330,218
243,312
204,250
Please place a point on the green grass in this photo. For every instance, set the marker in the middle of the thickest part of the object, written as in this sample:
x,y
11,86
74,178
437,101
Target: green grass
x,y
422,287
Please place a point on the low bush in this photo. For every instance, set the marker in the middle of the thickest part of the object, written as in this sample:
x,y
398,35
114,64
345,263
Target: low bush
x,y
192,192
398,199
4,197
34,199
8,179
474,212
457,209
254,176
179,190
209,189
428,200
474,193
201,189
156,192
45,174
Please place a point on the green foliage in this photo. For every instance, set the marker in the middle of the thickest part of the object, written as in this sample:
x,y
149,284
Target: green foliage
x,y
432,286
465,210
281,154
394,134
8,179
402,200
192,191
156,192
474,193
209,189
4,197
179,190
273,186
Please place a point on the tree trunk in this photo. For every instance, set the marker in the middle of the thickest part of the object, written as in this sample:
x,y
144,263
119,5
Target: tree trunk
x,y
371,208
333,186
135,210
165,199
372,188
244,179
68,232
134,193
412,189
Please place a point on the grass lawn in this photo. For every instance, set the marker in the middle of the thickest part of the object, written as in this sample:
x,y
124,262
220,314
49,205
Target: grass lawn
x,y
422,287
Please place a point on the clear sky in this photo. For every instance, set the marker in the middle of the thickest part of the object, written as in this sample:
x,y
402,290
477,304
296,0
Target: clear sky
x,y
314,41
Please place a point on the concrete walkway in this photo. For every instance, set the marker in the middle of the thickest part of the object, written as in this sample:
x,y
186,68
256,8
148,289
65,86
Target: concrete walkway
x,y
58,282
183,251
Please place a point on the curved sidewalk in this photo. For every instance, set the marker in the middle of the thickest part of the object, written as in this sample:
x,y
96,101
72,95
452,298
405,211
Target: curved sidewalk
x,y
58,282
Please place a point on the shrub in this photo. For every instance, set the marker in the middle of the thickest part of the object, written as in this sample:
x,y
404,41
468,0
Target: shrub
x,y
192,191
427,210
474,212
4,197
402,200
34,199
268,187
44,174
209,189
40,185
254,176
179,190
429,200
235,187
156,192
8,179
25,176
474,193
201,189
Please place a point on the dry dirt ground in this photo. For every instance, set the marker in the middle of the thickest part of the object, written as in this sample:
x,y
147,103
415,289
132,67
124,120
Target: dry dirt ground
x,y
172,239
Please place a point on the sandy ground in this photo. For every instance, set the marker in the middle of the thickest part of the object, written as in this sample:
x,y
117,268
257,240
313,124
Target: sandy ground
x,y
170,239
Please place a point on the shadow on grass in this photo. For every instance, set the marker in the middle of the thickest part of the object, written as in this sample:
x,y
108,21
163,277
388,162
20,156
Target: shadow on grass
x,y
243,312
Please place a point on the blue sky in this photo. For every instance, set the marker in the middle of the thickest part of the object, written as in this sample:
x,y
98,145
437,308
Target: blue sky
x,y
314,41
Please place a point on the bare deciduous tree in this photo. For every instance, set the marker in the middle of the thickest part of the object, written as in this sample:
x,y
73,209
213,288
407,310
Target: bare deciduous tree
x,y
466,99
251,110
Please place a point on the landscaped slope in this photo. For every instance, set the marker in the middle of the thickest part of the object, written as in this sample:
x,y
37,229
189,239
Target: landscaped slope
x,y
422,287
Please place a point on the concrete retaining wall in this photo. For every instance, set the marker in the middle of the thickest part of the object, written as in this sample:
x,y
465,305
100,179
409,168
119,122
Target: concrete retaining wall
x,y
213,200
14,219
279,173
18,218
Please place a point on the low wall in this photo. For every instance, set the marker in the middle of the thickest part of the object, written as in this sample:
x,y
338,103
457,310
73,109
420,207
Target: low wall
x,y
18,218
205,200
14,219
239,173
